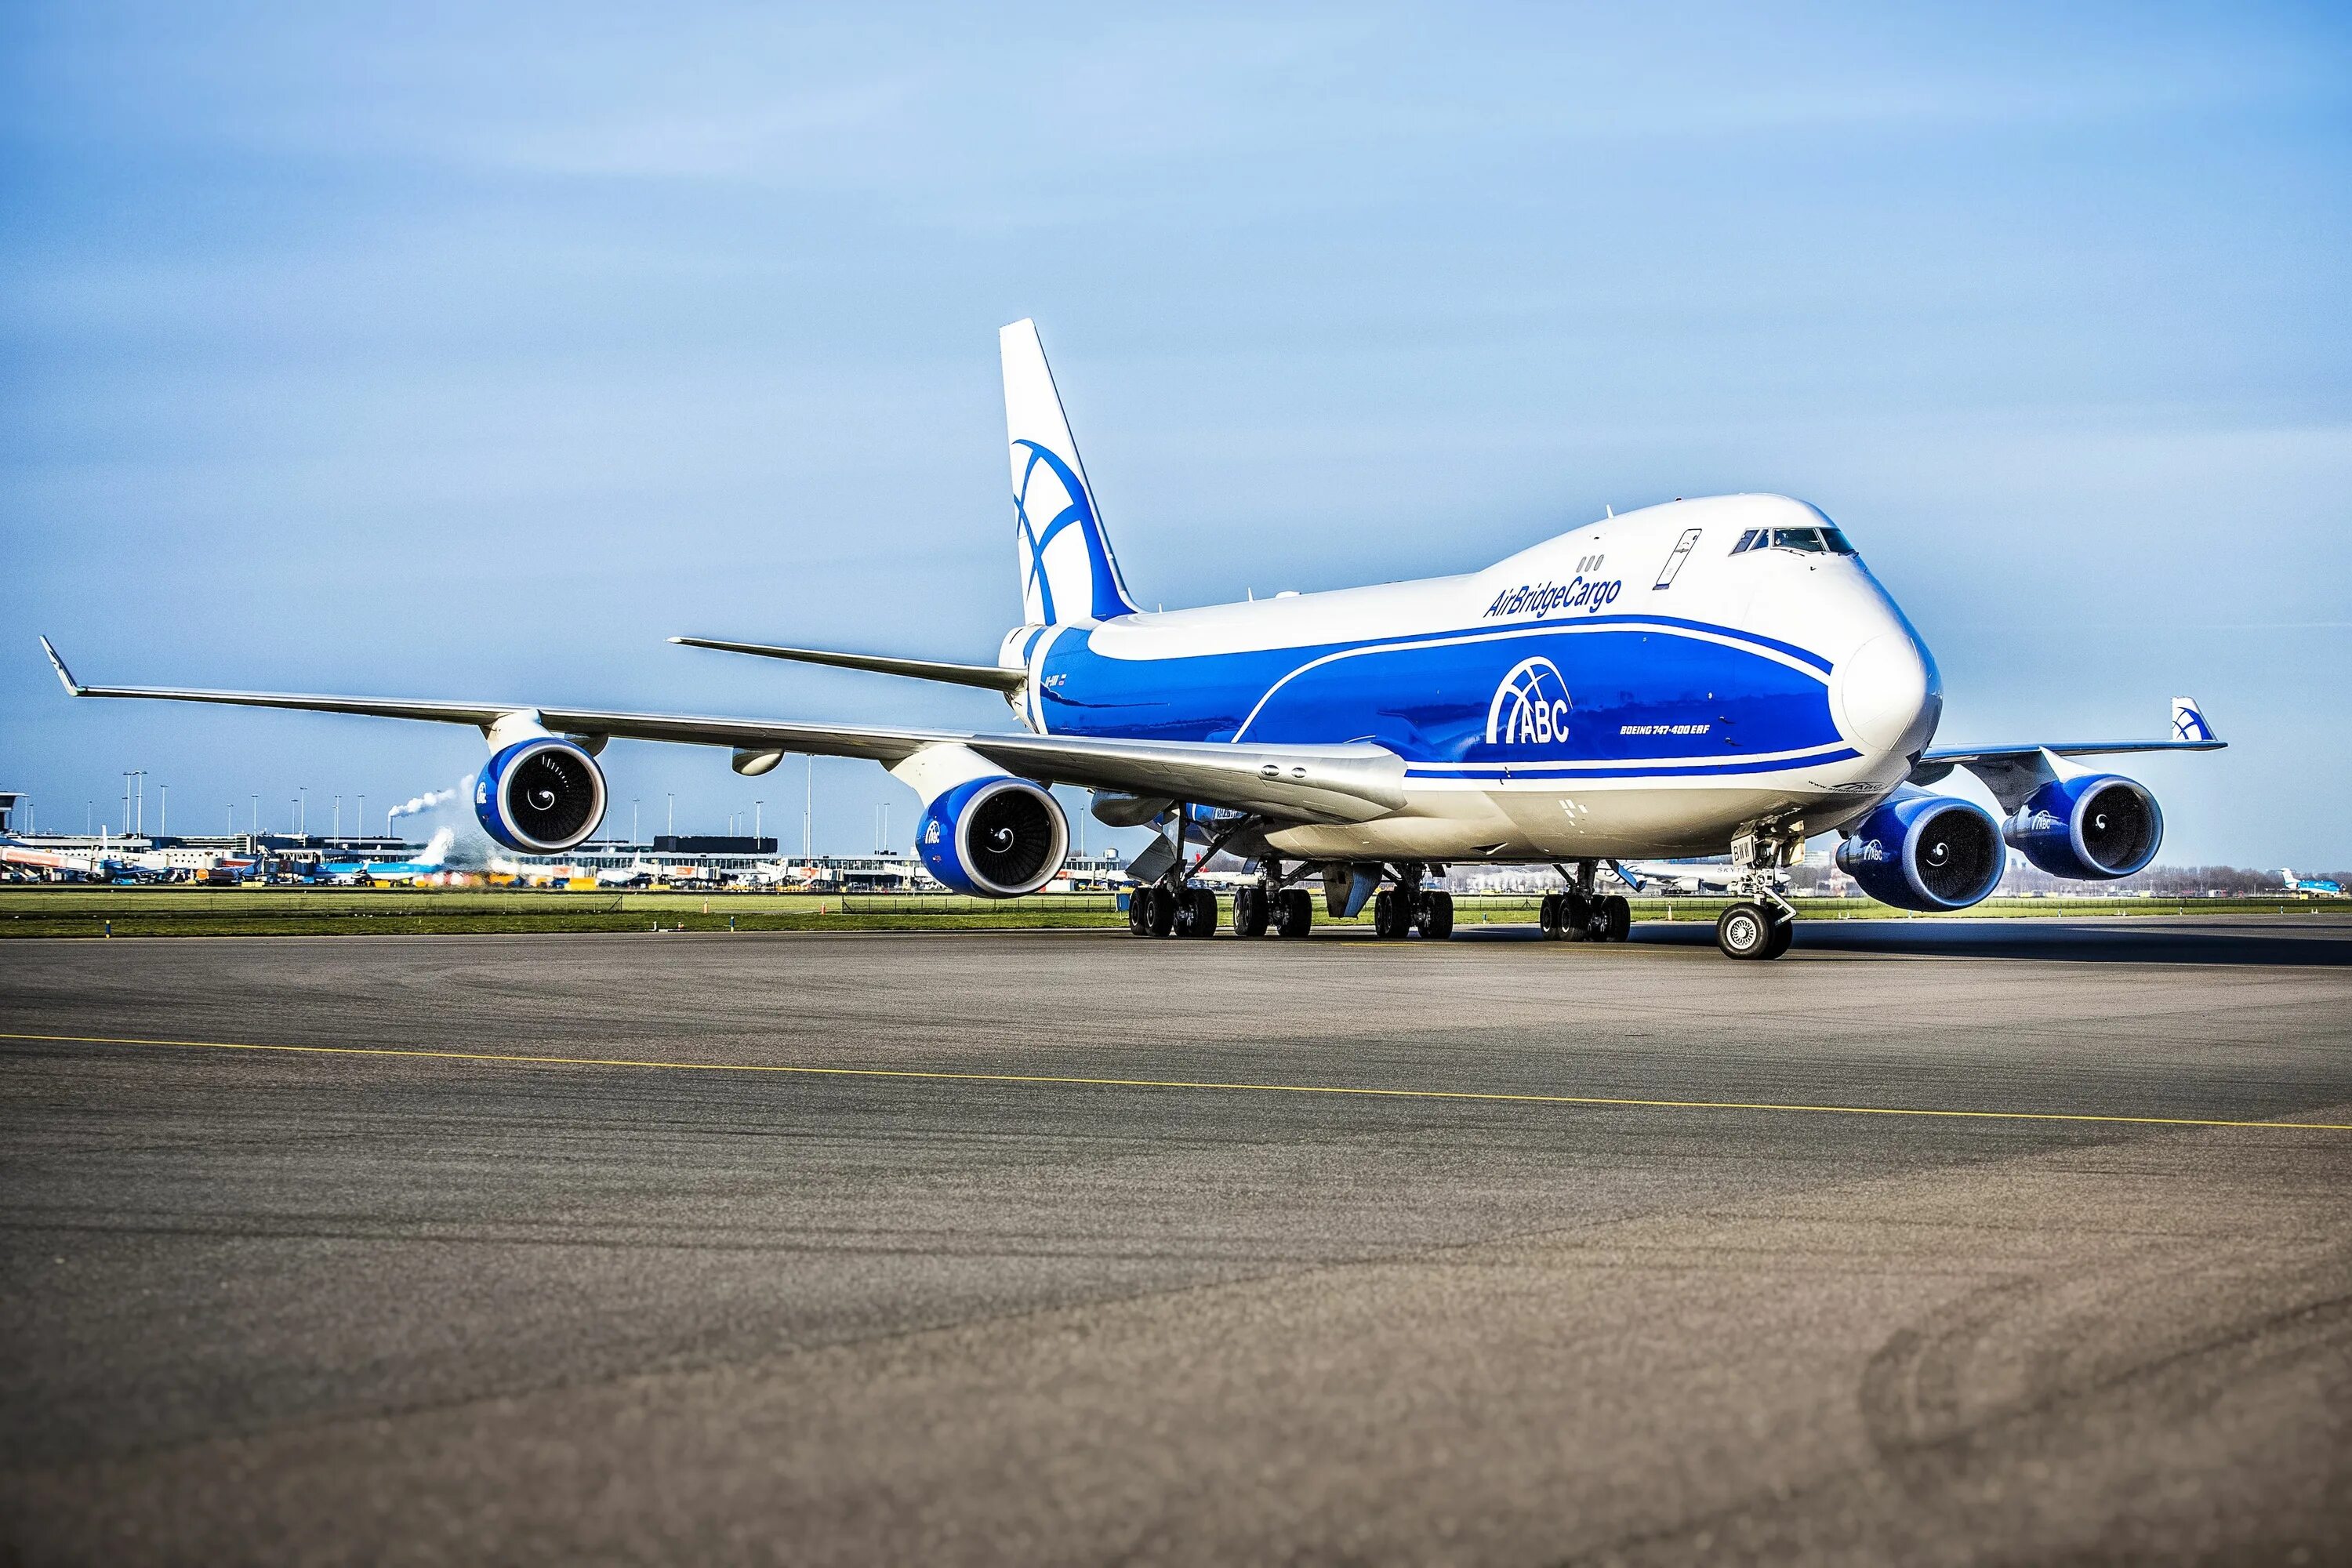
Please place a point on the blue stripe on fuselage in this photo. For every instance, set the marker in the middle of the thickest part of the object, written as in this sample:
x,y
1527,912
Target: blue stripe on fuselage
x,y
1630,689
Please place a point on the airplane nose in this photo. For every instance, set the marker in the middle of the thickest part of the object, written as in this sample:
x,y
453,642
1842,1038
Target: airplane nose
x,y
1886,692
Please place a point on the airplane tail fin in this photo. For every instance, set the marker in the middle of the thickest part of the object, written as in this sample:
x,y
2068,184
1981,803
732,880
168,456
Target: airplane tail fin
x,y
2187,723
1067,572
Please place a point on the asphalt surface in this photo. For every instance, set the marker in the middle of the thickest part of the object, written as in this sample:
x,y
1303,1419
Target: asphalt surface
x,y
314,1306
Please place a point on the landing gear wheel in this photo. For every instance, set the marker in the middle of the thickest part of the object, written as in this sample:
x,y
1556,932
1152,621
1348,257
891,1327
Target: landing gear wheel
x,y
1547,917
1744,931
1294,912
1196,912
1250,910
1784,934
1163,911
1434,916
1138,912
1392,912
1575,918
1616,918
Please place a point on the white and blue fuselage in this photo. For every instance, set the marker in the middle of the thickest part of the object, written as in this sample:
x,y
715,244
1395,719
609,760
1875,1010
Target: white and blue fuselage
x,y
1646,686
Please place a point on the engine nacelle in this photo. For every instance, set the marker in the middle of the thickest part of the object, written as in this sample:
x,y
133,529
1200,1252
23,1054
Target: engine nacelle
x,y
1926,852
540,795
997,838
2095,827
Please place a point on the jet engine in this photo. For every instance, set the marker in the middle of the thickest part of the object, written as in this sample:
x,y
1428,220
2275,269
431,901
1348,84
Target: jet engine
x,y
2093,828
1925,852
983,831
540,795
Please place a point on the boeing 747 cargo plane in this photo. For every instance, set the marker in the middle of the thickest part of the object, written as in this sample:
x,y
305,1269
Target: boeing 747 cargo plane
x,y
1709,676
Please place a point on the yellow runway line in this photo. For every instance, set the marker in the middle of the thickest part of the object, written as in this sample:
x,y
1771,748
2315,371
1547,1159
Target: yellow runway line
x,y
1072,1081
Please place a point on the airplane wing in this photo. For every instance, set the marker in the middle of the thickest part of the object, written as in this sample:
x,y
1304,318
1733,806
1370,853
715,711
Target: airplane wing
x,y
2013,773
1353,783
982,675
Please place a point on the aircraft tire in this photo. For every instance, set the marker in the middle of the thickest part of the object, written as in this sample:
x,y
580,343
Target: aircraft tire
x,y
1617,917
1784,936
1547,916
1575,918
1163,911
1138,912
1435,915
1744,931
1294,912
1250,910
1205,910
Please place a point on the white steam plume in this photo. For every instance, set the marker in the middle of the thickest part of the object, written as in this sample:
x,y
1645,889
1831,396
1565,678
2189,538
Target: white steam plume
x,y
425,801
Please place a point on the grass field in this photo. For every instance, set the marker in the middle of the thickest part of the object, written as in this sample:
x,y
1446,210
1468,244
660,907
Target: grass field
x,y
70,910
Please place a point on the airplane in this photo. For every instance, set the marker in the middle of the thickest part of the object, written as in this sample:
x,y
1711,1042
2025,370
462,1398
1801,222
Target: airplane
x,y
1709,675
1690,877
432,866
2295,884
105,866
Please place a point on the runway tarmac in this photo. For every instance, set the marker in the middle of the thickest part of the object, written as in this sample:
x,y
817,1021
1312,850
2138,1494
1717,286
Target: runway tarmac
x,y
1078,1249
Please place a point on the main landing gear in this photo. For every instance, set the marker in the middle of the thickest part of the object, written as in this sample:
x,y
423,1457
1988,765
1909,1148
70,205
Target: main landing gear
x,y
1269,907
1583,914
1398,912
1163,911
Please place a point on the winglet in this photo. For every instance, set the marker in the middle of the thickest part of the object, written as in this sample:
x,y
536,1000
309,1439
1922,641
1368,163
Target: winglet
x,y
65,677
2188,723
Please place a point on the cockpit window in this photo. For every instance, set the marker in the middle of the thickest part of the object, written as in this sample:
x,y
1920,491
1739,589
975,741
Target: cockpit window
x,y
1812,540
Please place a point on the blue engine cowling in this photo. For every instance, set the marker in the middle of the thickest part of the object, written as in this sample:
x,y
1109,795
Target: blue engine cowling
x,y
1926,852
2092,828
996,837
540,797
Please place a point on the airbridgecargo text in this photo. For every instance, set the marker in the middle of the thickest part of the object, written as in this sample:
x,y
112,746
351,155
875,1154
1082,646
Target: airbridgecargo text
x,y
1544,597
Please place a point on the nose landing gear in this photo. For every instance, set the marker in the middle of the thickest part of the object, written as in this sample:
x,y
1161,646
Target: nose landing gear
x,y
1762,925
1750,930
1582,914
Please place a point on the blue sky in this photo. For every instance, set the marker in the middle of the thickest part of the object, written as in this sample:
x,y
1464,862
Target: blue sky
x,y
419,352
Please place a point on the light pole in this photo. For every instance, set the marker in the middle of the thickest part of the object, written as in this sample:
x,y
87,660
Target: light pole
x,y
301,810
363,817
673,816
633,821
808,804
338,816
256,827
162,811
755,819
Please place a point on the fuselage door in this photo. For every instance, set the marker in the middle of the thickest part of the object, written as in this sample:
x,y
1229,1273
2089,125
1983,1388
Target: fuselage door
x,y
1683,547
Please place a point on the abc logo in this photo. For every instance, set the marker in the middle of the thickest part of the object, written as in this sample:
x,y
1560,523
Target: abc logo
x,y
1530,707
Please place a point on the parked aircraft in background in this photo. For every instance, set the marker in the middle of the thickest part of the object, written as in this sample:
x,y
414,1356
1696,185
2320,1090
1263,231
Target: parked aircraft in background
x,y
2310,884
1685,878
1707,676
